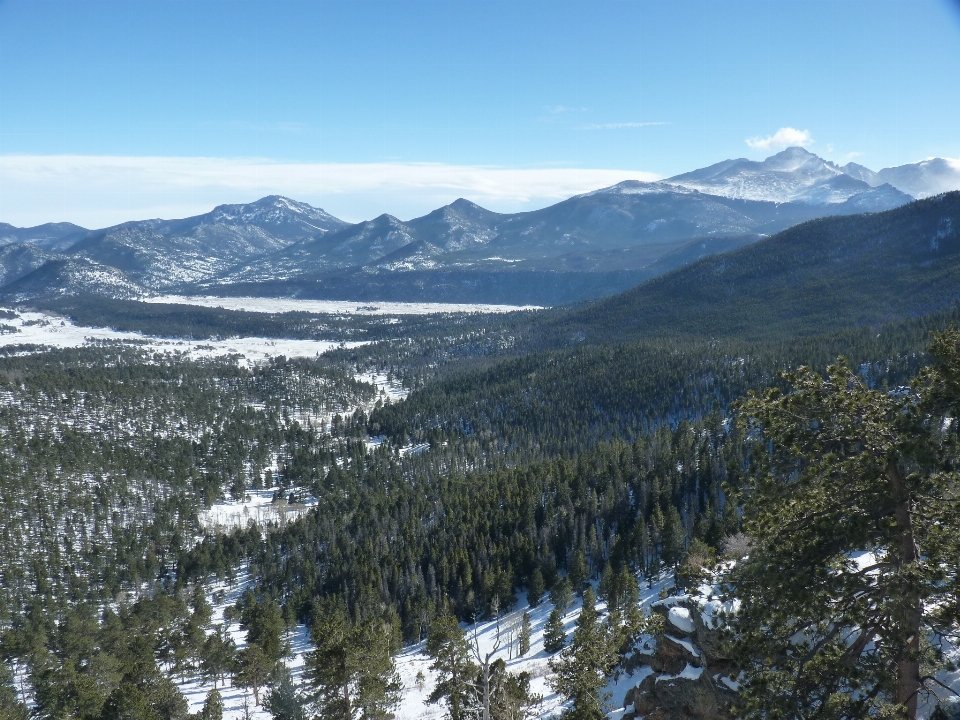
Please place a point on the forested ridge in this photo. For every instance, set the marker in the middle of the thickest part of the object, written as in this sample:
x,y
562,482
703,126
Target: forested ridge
x,y
826,274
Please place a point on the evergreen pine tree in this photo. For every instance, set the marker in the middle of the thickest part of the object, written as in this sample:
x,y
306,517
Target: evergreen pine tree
x,y
350,669
283,701
581,668
212,706
447,646
561,594
10,705
218,655
253,670
629,591
554,635
855,495
378,685
265,627
674,537
536,589
510,696
607,589
525,632
579,572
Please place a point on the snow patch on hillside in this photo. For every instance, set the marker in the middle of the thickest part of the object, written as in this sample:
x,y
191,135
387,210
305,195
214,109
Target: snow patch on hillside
x,y
235,699
258,507
45,329
333,307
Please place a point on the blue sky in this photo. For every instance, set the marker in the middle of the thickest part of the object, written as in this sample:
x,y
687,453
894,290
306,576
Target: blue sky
x,y
112,111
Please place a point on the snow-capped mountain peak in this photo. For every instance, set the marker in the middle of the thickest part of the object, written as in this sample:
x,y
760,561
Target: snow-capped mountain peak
x,y
639,187
792,175
795,159
798,175
275,210
923,179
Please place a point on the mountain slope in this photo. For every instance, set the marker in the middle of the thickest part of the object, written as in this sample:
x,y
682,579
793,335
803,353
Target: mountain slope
x,y
166,253
587,246
50,236
824,274
19,259
62,277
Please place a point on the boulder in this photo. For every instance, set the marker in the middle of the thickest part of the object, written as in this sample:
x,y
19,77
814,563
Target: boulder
x,y
692,671
691,694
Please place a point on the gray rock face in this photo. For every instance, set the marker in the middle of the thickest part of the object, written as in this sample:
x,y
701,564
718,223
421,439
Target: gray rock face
x,y
693,677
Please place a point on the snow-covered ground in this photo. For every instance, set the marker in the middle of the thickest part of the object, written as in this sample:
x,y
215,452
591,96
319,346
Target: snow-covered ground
x,y
35,328
235,698
413,660
332,307
257,507
386,388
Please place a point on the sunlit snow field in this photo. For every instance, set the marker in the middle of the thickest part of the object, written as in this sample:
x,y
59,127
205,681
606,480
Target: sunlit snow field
x,y
36,328
333,307
40,328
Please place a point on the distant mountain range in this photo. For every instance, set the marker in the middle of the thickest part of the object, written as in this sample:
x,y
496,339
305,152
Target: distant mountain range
x,y
588,246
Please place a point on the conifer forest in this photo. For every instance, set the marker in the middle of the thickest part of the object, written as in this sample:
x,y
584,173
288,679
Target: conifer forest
x,y
455,472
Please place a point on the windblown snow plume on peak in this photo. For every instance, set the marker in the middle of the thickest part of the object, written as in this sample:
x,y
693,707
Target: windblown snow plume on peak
x,y
792,175
923,179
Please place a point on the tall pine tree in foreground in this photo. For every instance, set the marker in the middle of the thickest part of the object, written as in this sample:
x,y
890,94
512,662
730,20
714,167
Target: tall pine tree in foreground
x,y
351,670
854,510
581,668
447,645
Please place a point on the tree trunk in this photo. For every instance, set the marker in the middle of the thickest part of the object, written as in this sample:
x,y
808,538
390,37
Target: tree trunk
x,y
908,665
455,695
486,688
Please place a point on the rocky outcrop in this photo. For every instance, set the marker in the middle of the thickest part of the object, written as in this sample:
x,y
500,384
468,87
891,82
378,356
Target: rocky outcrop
x,y
693,676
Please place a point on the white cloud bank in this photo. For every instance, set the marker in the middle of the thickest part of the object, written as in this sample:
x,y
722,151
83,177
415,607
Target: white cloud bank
x,y
784,137
97,191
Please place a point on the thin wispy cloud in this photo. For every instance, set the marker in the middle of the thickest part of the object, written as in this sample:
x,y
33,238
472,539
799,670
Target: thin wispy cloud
x,y
784,137
620,125
96,191
559,109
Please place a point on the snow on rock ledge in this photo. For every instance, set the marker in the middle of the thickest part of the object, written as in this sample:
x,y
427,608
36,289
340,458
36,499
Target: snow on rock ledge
x,y
692,672
681,618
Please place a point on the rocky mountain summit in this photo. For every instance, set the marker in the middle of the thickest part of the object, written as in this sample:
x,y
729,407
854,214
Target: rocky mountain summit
x,y
795,175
